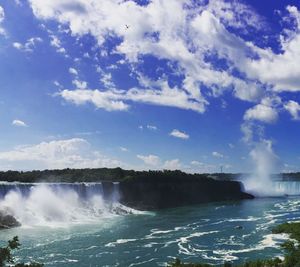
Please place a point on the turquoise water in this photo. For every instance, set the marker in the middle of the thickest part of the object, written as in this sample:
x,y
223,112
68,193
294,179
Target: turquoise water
x,y
205,233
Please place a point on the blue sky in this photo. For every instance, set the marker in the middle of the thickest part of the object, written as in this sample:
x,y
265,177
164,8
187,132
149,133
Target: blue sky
x,y
191,85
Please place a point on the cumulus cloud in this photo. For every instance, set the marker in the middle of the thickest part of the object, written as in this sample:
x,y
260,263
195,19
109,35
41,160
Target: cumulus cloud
x,y
2,16
293,108
178,134
124,149
200,27
173,164
80,84
72,153
29,45
152,160
114,99
19,123
107,80
281,70
262,113
201,167
151,127
108,100
73,71
191,40
56,43
217,154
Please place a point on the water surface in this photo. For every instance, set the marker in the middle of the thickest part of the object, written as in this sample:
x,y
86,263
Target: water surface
x,y
203,233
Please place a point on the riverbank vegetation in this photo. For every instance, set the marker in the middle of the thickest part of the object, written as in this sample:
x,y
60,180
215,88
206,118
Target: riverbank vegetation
x,y
291,249
6,255
94,175
116,174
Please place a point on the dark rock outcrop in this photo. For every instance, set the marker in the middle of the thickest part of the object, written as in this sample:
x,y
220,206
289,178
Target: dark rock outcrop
x,y
145,193
8,221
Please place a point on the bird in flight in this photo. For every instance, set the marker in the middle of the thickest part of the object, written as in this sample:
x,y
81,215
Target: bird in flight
x,y
127,26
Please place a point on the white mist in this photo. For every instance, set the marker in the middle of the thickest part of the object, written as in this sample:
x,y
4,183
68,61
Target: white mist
x,y
264,160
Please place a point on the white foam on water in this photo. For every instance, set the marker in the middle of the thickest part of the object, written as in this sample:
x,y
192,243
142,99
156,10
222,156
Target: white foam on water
x,y
248,219
268,241
59,205
185,247
119,241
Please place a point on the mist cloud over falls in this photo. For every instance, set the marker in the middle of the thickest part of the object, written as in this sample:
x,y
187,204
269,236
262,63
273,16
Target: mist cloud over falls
x,y
56,204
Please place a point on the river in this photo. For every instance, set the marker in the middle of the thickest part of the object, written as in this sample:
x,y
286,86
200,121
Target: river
x,y
62,228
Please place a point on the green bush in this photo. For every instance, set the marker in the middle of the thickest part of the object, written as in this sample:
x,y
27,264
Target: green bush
x,y
6,258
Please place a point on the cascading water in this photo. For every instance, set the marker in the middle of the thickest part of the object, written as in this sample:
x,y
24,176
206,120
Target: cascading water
x,y
59,203
287,187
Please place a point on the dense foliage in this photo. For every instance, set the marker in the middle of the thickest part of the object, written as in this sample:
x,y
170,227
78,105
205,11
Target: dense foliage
x,y
92,175
258,263
6,257
291,247
115,174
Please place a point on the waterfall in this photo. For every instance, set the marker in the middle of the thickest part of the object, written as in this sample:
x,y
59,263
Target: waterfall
x,y
60,203
287,187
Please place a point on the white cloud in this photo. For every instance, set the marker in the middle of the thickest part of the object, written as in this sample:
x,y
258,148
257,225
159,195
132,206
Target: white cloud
x,y
280,70
196,163
217,154
107,81
114,99
173,164
201,167
185,39
79,84
124,149
19,123
293,108
176,31
29,45
107,100
262,113
56,43
179,134
151,127
152,160
72,153
236,14
17,45
2,16
73,71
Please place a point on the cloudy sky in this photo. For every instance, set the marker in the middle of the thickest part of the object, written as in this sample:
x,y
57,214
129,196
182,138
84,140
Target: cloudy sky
x,y
149,84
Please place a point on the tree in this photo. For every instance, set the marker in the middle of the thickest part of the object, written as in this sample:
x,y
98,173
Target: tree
x,y
6,258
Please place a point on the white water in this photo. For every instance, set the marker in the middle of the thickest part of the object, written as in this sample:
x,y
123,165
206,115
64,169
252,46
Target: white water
x,y
259,183
59,204
291,188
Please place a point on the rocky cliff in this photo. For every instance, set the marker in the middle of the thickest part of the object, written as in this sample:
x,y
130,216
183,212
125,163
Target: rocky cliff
x,y
145,193
7,221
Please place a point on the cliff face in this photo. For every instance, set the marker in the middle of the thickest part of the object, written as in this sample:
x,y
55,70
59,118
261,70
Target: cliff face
x,y
152,194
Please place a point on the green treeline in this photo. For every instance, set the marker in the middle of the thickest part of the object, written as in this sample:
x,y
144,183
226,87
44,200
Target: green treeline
x,y
100,174
92,175
113,174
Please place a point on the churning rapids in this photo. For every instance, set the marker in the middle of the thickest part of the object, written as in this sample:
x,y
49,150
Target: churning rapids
x,y
82,225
